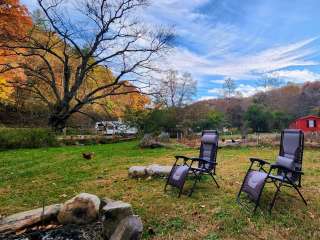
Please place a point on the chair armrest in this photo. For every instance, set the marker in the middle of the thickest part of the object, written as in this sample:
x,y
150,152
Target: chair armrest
x,y
261,161
277,166
183,157
202,160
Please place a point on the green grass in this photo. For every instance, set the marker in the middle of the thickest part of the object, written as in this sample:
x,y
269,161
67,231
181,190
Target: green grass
x,y
30,176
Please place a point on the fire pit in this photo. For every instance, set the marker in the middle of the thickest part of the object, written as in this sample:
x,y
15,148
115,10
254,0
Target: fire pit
x,y
84,217
93,231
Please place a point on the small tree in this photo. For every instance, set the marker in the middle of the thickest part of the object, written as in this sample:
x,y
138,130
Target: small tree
x,y
213,120
280,120
229,88
176,90
269,82
235,115
258,118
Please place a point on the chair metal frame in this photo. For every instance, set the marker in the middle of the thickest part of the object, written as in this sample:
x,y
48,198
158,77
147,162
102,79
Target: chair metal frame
x,y
281,178
197,172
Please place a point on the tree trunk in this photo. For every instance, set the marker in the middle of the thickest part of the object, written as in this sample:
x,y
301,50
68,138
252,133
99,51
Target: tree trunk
x,y
57,122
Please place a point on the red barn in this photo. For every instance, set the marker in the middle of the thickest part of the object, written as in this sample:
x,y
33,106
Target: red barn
x,y
309,123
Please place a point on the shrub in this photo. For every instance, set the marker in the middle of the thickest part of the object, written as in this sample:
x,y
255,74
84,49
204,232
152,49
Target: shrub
x,y
11,138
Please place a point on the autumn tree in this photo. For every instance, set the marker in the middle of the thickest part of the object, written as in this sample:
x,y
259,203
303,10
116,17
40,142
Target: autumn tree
x,y
115,107
68,52
14,23
309,98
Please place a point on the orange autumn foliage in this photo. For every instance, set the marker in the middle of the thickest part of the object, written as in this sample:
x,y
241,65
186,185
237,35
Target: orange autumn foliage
x,y
135,101
14,19
15,23
115,106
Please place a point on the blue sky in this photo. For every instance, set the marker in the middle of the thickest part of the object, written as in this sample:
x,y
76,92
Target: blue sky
x,y
246,40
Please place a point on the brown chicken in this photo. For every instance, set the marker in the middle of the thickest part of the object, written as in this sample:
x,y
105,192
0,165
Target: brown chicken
x,y
88,155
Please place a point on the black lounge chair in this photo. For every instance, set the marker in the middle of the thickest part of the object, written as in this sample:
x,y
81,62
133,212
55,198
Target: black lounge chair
x,y
286,171
206,163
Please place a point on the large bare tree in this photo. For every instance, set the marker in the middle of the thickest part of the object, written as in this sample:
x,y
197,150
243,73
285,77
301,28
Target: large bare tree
x,y
176,90
62,56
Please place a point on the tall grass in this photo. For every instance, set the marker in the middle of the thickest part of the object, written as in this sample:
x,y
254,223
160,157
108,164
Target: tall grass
x,y
12,138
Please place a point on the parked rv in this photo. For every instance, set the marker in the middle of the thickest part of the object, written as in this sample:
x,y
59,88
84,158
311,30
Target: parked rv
x,y
115,128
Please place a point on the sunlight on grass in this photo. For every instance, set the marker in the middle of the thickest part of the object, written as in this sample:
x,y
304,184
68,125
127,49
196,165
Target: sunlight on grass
x,y
30,177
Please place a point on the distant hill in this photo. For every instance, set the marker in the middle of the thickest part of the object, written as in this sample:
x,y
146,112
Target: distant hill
x,y
295,100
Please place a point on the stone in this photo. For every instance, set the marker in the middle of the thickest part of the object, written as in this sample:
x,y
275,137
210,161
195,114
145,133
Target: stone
x,y
130,228
154,170
164,137
137,171
29,218
158,170
105,201
82,209
148,141
112,214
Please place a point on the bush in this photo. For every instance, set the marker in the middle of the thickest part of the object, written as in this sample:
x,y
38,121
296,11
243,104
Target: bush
x,y
11,138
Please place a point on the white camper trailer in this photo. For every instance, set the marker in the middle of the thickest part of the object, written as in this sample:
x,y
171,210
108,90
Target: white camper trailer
x,y
115,128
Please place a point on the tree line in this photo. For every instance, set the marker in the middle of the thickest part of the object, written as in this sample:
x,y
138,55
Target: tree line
x,y
266,111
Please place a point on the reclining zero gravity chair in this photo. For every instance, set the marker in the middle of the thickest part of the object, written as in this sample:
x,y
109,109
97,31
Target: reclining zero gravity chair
x,y
206,163
286,171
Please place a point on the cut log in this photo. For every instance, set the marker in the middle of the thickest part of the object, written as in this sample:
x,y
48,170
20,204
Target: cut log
x,y
26,219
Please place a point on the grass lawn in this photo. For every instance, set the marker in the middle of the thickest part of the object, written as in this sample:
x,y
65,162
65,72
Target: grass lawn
x,y
30,176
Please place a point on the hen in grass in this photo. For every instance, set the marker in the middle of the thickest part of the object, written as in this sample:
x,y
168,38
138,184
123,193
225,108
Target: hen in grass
x,y
88,155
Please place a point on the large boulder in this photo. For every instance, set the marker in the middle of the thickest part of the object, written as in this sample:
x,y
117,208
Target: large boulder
x,y
164,137
29,218
130,228
148,141
112,214
82,209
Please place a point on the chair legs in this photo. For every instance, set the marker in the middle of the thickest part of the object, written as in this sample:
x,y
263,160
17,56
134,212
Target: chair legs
x,y
278,190
214,180
300,194
168,179
197,178
165,186
275,196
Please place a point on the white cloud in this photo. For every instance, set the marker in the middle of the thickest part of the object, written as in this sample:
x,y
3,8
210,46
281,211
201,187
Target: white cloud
x,y
217,91
245,67
296,76
248,90
222,49
218,52
207,98
243,90
219,81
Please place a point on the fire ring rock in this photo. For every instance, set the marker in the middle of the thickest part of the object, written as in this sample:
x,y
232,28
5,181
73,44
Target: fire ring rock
x,y
112,214
82,209
153,170
137,171
130,228
158,170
